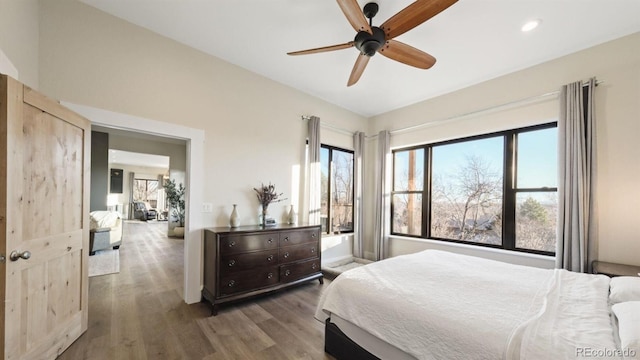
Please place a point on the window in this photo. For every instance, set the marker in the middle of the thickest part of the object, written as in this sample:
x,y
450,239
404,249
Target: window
x,y
337,190
146,191
497,190
536,190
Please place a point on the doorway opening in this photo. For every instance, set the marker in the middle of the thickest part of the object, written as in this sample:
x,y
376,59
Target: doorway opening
x,y
193,175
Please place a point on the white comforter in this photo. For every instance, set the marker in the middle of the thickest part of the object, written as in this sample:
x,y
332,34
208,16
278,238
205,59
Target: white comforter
x,y
440,305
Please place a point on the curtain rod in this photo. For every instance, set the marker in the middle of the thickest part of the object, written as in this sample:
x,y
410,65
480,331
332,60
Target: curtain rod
x,y
329,126
512,104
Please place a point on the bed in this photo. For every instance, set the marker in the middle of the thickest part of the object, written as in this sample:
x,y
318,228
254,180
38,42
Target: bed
x,y
440,305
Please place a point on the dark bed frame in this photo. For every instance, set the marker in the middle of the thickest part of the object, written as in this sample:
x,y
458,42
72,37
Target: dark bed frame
x,y
340,346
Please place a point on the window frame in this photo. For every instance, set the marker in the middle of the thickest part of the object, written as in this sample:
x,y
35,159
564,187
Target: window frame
x,y
509,188
331,148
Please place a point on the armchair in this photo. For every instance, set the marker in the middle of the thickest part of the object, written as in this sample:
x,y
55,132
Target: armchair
x,y
143,211
105,230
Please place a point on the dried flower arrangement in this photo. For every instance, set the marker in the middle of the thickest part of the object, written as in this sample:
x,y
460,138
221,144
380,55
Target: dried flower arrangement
x,y
266,195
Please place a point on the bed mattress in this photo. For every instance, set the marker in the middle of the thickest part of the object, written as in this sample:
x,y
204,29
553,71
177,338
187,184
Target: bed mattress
x,y
435,305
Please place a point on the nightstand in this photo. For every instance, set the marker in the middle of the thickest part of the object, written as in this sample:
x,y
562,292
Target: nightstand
x,y
612,269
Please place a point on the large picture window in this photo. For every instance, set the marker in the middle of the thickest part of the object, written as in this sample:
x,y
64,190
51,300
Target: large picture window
x,y
337,190
146,191
497,190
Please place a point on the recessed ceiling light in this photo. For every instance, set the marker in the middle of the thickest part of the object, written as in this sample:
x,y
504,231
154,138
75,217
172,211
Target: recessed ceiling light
x,y
530,25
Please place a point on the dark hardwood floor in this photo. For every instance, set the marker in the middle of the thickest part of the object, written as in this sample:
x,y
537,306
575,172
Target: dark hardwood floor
x,y
139,313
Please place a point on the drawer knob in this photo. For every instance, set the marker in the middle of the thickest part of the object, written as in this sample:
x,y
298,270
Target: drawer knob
x,y
313,235
269,275
270,258
286,255
270,241
286,238
232,243
232,262
287,273
232,283
314,266
313,249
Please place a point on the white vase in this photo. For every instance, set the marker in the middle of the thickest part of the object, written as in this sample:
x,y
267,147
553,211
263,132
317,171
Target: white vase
x,y
293,216
234,220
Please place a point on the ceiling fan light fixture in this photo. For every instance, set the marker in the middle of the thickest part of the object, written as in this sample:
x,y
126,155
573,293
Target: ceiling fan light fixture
x,y
530,25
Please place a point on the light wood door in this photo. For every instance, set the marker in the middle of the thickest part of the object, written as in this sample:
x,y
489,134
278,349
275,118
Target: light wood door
x,y
44,186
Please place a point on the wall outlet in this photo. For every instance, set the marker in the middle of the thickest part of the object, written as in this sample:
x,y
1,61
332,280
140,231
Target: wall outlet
x,y
207,207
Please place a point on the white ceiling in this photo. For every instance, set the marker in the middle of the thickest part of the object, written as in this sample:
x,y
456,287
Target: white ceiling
x,y
138,159
473,41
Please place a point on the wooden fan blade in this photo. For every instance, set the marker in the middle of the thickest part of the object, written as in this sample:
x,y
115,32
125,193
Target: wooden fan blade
x,y
414,15
358,68
323,49
406,54
354,14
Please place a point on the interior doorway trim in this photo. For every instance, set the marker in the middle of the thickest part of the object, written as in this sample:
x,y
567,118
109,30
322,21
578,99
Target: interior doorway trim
x,y
193,178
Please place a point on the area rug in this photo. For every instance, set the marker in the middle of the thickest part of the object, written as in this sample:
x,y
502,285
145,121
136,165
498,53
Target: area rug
x,y
104,262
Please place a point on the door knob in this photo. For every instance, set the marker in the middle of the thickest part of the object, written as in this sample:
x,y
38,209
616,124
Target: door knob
x,y
15,256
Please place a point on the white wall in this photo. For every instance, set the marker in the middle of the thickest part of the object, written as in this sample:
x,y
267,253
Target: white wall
x,y
616,64
252,126
253,130
19,37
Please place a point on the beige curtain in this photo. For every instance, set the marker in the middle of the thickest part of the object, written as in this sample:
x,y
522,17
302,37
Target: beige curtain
x,y
314,170
577,174
358,184
382,196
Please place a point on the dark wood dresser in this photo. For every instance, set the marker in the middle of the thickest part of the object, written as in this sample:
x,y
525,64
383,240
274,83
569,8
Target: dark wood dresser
x,y
252,260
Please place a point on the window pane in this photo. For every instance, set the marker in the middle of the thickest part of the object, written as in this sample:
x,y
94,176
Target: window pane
x,y
408,170
467,191
538,159
342,191
324,189
407,214
536,220
146,191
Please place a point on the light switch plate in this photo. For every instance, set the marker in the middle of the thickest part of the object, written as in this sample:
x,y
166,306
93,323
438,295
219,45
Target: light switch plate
x,y
207,207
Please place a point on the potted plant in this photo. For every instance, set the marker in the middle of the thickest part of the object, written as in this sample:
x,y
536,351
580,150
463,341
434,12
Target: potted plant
x,y
267,194
175,197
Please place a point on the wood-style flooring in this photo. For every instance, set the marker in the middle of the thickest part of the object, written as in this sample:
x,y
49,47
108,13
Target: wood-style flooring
x,y
139,313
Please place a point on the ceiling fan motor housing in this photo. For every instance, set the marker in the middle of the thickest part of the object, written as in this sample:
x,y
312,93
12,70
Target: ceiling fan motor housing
x,y
368,44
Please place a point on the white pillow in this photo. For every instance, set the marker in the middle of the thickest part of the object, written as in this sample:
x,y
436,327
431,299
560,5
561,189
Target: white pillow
x,y
624,288
628,314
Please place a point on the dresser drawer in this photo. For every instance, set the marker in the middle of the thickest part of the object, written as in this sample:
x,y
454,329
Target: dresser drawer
x,y
298,252
288,238
233,244
295,271
253,279
238,262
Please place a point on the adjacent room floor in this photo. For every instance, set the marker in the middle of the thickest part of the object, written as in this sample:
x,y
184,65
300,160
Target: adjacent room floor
x,y
139,313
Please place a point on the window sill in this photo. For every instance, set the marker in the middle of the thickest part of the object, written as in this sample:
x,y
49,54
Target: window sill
x,y
329,236
514,257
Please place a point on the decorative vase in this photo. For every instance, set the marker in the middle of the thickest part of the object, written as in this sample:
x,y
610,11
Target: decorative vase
x,y
293,216
234,220
263,216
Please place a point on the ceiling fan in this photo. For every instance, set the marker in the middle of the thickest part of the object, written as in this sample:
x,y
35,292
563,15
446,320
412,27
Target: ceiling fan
x,y
372,39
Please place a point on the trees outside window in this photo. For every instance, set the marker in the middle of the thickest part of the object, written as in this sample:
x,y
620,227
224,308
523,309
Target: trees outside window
x,y
336,189
146,191
495,190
